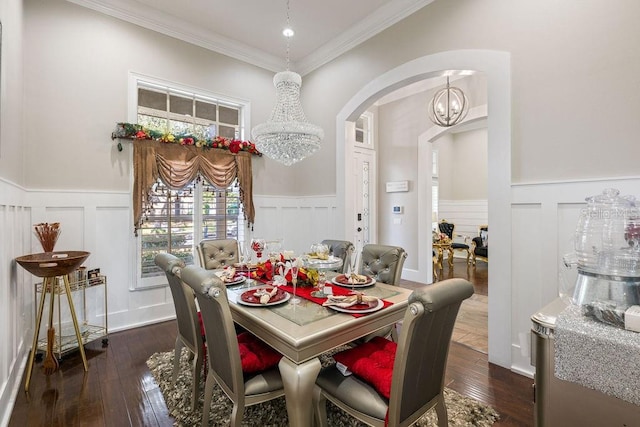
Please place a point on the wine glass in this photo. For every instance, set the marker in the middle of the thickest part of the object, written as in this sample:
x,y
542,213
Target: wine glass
x,y
353,266
295,266
273,248
258,245
245,258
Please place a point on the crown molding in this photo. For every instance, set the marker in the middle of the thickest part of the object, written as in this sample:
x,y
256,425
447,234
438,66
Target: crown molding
x,y
143,16
373,24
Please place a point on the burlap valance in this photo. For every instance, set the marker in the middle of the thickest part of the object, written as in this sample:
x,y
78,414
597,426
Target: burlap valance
x,y
178,165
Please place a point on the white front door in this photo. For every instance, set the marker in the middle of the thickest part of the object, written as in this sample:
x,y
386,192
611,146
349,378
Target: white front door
x,y
364,196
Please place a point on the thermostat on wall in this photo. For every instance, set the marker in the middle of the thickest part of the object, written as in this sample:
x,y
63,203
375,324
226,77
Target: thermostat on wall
x,y
398,209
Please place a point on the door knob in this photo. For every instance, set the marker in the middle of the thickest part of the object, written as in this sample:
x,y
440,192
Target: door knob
x,y
359,229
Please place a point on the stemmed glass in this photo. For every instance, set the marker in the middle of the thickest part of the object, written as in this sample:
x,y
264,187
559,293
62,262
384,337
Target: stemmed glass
x,y
273,249
353,266
295,266
245,258
258,246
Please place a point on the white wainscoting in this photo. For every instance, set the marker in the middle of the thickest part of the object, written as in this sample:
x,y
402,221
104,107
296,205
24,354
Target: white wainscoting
x,y
544,220
100,223
16,307
300,221
544,217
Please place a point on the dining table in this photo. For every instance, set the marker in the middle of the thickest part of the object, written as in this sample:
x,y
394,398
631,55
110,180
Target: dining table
x,y
303,331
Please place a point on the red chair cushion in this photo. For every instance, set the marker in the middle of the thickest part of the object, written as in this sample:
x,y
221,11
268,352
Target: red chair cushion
x,y
255,355
372,362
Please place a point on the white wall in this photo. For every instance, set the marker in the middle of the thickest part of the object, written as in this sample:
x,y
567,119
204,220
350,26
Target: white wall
x,y
16,315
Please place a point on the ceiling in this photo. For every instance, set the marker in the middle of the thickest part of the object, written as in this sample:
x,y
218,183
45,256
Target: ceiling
x,y
251,30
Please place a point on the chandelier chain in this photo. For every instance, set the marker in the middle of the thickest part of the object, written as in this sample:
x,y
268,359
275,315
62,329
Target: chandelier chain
x,y
288,38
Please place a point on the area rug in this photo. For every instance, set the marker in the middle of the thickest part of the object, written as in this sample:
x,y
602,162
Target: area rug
x,y
462,411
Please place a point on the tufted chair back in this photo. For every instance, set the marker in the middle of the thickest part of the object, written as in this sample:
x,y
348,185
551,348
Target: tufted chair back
x,y
341,249
383,262
217,253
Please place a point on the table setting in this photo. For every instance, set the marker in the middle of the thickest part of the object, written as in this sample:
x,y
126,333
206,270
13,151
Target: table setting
x,y
282,277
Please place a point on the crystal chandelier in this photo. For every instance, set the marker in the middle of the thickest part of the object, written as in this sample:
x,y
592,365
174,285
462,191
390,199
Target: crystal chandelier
x,y
448,106
287,136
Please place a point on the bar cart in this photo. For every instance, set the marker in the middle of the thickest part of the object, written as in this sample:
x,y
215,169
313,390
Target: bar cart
x,y
82,289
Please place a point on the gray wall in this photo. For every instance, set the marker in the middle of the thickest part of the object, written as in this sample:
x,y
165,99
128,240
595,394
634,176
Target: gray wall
x,y
570,60
11,93
564,74
463,165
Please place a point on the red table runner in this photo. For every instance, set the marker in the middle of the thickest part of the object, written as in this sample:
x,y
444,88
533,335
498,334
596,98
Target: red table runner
x,y
305,292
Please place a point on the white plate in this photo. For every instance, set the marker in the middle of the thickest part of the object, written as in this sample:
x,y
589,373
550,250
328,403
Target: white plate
x,y
284,299
355,285
356,311
239,280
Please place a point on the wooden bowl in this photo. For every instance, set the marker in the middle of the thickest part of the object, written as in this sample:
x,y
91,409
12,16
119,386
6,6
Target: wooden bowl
x,y
52,264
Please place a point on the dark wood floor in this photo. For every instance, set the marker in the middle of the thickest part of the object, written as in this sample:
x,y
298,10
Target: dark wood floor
x,y
120,391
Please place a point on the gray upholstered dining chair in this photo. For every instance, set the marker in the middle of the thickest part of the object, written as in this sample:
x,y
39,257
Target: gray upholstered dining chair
x,y
341,249
189,329
382,262
225,364
217,253
417,380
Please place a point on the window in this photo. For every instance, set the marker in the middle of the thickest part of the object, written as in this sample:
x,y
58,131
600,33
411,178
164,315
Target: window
x,y
179,219
364,130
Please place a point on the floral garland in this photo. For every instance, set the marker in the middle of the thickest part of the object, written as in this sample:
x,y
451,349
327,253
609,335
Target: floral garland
x,y
138,132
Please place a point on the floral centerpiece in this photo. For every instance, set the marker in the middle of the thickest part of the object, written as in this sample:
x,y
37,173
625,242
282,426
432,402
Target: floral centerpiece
x,y
138,132
265,271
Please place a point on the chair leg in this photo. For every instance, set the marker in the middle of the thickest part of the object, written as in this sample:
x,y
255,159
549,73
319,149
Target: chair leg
x,y
320,407
237,413
176,360
208,393
195,387
441,410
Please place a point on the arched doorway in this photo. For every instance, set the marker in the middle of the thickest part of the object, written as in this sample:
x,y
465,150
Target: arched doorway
x,y
496,66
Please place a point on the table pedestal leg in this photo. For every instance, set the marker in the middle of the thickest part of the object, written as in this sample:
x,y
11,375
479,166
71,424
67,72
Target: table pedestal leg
x,y
46,284
298,381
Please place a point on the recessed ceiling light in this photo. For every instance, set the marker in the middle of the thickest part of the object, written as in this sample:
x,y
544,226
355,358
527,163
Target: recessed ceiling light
x,y
288,32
